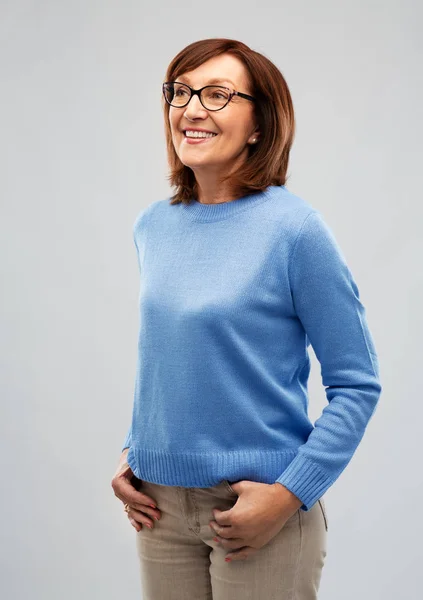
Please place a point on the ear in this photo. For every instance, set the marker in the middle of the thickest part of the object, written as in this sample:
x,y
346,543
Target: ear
x,y
254,137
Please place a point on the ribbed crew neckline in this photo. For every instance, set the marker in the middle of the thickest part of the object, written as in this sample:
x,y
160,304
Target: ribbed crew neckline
x,y
198,211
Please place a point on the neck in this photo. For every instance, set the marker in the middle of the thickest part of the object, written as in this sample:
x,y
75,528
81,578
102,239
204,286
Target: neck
x,y
210,188
211,192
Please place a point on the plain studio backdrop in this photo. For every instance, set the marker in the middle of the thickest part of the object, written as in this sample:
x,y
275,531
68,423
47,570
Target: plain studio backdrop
x,y
82,152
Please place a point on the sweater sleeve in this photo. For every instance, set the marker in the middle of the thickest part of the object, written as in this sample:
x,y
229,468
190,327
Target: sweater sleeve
x,y
326,301
128,438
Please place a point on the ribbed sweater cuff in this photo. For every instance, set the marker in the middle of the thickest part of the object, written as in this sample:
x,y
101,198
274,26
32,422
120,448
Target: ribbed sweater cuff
x,y
306,480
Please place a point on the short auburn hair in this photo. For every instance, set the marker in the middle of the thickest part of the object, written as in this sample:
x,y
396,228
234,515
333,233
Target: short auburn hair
x,y
267,162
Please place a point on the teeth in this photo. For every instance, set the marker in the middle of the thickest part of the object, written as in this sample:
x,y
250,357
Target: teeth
x,y
195,134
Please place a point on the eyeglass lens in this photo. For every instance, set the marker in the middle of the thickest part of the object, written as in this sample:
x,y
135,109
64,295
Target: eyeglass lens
x,y
213,97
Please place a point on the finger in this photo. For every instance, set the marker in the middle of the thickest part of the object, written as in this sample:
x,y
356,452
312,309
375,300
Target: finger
x,y
127,493
140,517
226,531
145,508
154,512
241,554
135,524
223,517
231,543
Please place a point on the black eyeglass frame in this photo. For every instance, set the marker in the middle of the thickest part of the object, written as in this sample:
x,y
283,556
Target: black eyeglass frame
x,y
194,92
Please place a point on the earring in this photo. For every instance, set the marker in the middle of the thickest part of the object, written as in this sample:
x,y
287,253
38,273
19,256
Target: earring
x,y
254,140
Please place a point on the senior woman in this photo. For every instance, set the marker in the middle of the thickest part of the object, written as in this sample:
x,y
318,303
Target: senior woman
x,y
222,473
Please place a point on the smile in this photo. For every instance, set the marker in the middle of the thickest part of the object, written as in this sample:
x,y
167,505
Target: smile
x,y
198,139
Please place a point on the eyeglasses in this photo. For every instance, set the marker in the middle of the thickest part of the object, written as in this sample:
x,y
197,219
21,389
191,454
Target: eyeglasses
x,y
212,97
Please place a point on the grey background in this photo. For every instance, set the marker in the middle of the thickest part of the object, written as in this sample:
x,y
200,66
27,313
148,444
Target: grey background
x,y
82,152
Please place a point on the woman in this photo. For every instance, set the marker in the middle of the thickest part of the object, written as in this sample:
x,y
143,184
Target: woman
x,y
238,276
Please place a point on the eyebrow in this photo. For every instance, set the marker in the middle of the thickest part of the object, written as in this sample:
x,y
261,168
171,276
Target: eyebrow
x,y
183,79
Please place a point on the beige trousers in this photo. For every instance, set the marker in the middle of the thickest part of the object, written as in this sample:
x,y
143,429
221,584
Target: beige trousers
x,y
180,561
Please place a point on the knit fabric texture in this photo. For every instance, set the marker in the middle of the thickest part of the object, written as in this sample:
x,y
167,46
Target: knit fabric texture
x,y
231,297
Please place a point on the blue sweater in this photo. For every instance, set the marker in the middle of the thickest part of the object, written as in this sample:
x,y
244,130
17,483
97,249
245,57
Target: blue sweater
x,y
231,296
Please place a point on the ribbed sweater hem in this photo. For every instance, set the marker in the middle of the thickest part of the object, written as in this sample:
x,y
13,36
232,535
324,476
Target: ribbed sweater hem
x,y
207,469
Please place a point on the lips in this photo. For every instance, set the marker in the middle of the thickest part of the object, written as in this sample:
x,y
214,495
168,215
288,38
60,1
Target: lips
x,y
198,140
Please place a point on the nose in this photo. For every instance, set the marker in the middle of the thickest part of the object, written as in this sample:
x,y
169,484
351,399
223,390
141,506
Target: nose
x,y
194,108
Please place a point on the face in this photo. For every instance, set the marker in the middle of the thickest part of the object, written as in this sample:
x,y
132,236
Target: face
x,y
234,124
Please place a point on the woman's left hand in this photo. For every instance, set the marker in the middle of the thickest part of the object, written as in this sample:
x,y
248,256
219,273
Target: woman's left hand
x,y
259,514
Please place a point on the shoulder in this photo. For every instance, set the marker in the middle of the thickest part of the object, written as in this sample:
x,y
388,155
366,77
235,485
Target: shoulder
x,y
144,214
302,225
290,210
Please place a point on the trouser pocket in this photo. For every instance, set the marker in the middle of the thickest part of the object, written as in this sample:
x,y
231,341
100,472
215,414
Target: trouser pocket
x,y
229,487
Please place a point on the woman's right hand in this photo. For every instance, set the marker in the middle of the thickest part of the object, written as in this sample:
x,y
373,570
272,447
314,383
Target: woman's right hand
x,y
140,511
